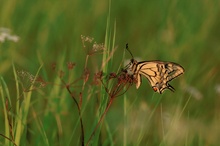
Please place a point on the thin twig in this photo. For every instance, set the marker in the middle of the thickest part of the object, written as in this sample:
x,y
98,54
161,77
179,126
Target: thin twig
x,y
80,116
115,91
8,139
100,120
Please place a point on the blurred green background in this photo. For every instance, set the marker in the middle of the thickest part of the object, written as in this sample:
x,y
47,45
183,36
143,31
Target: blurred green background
x,y
186,32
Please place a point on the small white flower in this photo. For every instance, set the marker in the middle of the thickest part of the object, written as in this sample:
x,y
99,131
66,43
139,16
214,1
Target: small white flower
x,y
5,34
194,92
13,38
217,88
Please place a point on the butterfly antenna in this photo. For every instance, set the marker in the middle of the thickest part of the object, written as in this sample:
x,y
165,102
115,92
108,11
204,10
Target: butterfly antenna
x,y
129,51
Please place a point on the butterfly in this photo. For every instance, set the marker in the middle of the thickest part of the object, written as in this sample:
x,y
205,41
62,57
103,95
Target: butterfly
x,y
158,73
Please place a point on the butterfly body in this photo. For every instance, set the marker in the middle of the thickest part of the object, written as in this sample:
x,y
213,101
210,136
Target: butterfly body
x,y
158,73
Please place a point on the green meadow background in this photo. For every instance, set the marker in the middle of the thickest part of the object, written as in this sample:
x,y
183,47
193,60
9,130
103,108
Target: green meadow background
x,y
50,34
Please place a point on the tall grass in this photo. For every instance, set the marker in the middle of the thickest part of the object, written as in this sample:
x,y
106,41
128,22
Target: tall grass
x,y
106,65
51,33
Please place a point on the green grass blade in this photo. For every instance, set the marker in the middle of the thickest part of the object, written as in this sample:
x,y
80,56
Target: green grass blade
x,y
21,119
5,95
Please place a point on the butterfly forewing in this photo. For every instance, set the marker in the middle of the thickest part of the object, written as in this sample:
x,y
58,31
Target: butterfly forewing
x,y
158,73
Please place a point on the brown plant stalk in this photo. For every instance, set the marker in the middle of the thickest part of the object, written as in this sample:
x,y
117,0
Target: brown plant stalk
x,y
123,80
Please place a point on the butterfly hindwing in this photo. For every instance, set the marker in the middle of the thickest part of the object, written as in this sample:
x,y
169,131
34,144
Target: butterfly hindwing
x,y
158,74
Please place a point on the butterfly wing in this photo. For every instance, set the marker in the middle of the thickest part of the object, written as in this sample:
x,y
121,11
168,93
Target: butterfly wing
x,y
158,74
